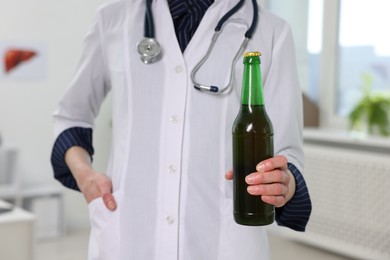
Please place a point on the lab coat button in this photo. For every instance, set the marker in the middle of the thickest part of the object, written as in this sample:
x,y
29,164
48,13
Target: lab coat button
x,y
179,68
170,220
172,169
174,119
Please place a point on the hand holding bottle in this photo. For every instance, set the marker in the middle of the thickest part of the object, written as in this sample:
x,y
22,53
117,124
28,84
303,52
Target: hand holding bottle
x,y
272,181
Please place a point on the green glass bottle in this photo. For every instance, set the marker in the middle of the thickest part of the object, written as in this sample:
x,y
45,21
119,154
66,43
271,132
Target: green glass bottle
x,y
252,143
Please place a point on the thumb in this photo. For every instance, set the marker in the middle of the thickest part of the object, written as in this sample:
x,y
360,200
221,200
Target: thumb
x,y
108,198
109,201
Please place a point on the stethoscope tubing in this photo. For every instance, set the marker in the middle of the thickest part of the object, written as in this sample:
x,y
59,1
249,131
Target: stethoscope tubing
x,y
149,43
149,22
248,35
215,89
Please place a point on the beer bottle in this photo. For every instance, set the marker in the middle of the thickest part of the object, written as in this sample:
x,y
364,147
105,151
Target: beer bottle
x,y
252,143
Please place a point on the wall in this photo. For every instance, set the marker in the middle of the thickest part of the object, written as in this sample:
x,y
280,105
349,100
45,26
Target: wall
x,y
26,106
288,10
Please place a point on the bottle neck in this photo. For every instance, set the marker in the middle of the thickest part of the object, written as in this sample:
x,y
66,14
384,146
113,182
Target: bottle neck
x,y
252,85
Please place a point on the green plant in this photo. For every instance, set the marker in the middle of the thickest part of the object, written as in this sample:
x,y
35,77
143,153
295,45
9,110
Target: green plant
x,y
372,111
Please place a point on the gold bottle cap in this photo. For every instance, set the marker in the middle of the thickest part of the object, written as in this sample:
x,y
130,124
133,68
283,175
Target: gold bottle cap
x,y
252,54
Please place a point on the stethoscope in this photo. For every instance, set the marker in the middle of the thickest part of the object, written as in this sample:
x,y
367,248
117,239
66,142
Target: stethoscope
x,y
150,51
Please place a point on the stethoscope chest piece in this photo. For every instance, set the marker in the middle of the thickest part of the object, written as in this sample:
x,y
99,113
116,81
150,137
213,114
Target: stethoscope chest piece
x,y
149,49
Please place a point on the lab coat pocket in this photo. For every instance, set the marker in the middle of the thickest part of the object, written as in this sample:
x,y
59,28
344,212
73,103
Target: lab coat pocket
x,y
104,243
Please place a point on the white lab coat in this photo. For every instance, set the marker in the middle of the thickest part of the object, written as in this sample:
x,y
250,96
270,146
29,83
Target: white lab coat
x,y
171,144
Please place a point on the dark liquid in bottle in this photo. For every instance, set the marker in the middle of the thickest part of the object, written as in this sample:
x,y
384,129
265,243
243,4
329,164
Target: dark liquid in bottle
x,y
252,143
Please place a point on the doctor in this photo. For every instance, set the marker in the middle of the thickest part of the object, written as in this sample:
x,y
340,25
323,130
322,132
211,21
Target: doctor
x,y
167,192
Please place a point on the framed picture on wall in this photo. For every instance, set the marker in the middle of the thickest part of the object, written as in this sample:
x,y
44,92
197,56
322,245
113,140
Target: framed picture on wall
x,y
26,61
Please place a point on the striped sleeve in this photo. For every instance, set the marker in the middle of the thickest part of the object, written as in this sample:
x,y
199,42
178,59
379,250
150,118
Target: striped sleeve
x,y
75,136
295,214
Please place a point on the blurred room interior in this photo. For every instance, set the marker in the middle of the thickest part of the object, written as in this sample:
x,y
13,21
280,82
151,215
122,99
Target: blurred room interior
x,y
343,56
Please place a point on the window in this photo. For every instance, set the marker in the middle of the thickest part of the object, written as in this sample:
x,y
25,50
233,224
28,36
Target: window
x,y
353,54
364,51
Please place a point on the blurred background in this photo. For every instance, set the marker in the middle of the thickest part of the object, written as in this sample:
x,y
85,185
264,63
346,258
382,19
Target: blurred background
x,y
343,55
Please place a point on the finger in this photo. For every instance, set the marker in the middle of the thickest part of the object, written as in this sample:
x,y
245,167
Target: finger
x,y
106,191
270,164
274,189
277,201
109,201
229,175
276,176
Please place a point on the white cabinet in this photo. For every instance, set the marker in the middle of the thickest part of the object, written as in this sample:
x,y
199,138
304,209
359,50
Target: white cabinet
x,y
8,175
44,201
16,234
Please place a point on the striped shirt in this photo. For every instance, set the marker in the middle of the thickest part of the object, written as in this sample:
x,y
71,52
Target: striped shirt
x,y
186,15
